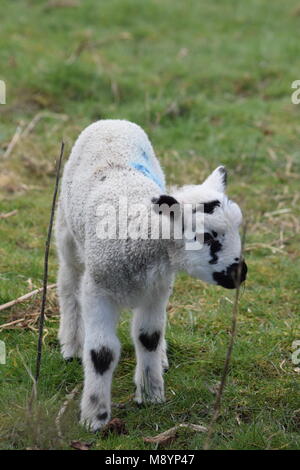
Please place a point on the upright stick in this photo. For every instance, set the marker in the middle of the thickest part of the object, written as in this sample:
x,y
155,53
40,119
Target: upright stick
x,y
235,308
45,281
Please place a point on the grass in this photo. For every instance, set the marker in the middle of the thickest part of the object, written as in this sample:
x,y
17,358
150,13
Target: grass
x,y
211,83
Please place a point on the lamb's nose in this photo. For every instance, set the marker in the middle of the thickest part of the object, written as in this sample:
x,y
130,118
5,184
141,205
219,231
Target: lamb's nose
x,y
234,275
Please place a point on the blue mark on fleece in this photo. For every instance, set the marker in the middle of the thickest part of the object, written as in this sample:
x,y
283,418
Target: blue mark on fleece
x,y
144,165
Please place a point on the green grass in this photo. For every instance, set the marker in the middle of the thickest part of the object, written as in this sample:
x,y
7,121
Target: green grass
x,y
210,82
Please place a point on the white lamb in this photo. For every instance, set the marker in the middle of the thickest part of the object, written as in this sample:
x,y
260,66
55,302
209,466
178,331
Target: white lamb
x,y
113,160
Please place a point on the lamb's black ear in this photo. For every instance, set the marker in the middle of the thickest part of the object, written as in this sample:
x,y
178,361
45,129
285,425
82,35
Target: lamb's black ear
x,y
166,202
164,199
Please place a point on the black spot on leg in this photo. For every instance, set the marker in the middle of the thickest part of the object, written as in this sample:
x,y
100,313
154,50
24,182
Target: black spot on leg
x,y
102,359
102,416
150,342
94,399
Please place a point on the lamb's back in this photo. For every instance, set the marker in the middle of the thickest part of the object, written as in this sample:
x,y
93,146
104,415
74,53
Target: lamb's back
x,y
109,143
110,158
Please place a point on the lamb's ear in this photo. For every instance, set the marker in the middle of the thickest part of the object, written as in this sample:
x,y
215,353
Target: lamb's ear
x,y
164,199
164,203
217,179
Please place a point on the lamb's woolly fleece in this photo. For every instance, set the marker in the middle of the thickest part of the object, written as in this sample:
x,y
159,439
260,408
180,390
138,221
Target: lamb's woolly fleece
x,y
112,158
97,276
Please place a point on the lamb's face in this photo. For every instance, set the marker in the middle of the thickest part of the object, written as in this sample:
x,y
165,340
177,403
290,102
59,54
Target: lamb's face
x,y
213,252
217,259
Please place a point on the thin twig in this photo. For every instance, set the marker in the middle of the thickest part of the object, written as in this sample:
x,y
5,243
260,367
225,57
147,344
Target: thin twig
x,y
28,321
11,323
274,249
11,303
86,43
43,114
235,308
62,410
286,210
167,436
42,316
21,133
13,141
8,214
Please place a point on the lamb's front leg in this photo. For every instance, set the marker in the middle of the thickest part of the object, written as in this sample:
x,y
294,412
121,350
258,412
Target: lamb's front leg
x,y
101,355
148,334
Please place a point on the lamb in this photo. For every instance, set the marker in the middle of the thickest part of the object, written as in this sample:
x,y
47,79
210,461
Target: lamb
x,y
113,161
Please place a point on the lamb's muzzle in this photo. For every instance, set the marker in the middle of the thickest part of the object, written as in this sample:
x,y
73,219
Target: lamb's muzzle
x,y
233,276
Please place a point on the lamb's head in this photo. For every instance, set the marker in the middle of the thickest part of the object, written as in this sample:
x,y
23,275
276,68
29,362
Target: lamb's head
x,y
211,245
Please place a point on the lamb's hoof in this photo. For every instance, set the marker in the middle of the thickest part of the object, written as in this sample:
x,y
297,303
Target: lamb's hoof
x,y
95,423
70,352
165,364
139,402
142,400
71,359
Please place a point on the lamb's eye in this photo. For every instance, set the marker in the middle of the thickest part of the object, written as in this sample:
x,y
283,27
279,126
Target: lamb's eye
x,y
214,234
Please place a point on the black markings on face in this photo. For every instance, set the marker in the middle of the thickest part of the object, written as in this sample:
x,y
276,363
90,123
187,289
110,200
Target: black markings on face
x,y
209,207
228,278
102,416
102,359
215,247
150,342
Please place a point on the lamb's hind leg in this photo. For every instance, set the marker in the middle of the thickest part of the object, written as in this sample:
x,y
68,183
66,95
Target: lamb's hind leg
x,y
71,330
148,334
